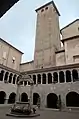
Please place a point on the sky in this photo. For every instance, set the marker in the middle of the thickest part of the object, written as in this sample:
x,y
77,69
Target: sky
x,y
18,25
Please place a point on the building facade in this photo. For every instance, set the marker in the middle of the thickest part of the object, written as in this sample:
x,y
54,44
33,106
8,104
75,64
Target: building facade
x,y
10,59
54,70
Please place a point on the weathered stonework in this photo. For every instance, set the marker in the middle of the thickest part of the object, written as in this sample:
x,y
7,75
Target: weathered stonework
x,y
54,70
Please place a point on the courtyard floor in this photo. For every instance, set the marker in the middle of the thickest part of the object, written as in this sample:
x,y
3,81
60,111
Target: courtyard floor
x,y
44,114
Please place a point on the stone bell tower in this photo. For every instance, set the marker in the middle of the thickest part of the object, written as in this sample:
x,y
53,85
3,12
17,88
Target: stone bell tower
x,y
47,35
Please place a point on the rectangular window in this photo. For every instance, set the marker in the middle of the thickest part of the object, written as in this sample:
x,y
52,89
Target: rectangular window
x,y
4,55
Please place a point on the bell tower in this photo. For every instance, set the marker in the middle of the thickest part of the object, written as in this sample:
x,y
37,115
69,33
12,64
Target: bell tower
x,y
47,35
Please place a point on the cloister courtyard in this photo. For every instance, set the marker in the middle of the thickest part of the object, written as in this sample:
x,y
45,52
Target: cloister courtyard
x,y
44,114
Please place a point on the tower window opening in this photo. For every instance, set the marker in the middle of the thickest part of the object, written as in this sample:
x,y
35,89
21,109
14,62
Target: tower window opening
x,y
46,8
42,10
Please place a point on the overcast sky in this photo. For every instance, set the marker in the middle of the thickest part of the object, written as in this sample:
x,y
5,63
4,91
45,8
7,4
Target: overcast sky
x,y
18,25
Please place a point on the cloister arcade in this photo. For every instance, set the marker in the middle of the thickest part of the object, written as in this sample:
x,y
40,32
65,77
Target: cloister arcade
x,y
52,77
9,77
72,99
55,77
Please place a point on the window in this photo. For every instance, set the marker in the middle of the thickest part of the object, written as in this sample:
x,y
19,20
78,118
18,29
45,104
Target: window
x,y
4,55
46,8
76,58
42,10
13,59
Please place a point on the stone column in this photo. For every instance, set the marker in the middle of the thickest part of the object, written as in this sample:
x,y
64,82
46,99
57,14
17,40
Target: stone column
x,y
6,101
71,77
36,79
27,83
41,78
8,78
52,78
31,94
23,83
4,75
17,92
42,99
58,77
65,76
78,74
46,78
12,79
16,79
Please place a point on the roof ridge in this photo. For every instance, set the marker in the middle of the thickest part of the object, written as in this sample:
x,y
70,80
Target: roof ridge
x,y
69,24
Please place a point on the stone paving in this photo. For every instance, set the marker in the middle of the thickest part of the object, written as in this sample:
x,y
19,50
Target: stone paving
x,y
44,114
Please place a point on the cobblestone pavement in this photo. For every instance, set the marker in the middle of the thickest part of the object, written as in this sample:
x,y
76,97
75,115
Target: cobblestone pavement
x,y
44,114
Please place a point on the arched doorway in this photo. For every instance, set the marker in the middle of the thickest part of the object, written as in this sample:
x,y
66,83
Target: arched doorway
x,y
52,100
72,99
12,97
68,76
24,97
2,97
36,97
75,75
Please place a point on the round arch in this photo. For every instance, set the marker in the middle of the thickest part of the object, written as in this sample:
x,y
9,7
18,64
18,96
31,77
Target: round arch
x,y
6,76
49,78
52,99
43,78
61,77
55,77
34,79
12,97
2,97
68,76
39,78
10,78
24,97
36,98
72,99
75,74
23,78
1,75
14,79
